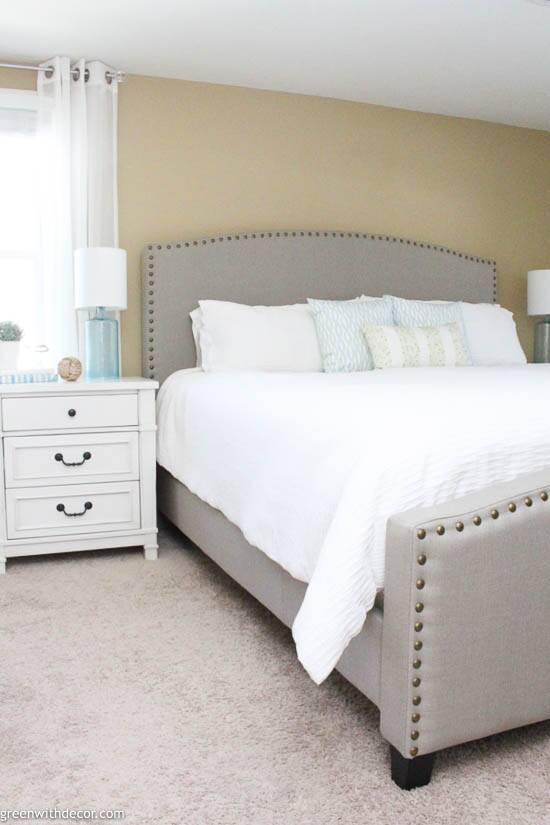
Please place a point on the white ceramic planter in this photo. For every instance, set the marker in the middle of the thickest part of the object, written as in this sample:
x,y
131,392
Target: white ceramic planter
x,y
9,355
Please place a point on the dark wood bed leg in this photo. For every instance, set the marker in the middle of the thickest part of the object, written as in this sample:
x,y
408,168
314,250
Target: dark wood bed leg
x,y
411,773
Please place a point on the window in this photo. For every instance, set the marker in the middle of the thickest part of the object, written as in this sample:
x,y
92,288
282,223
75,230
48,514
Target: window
x,y
20,242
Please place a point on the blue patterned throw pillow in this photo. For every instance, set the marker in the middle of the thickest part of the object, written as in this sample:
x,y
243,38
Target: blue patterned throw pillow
x,y
339,326
427,314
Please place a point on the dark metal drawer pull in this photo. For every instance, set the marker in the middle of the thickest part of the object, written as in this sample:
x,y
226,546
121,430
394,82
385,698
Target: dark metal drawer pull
x,y
87,506
71,413
85,457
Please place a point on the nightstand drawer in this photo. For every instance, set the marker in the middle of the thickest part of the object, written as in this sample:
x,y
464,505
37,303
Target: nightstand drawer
x,y
71,510
63,412
35,460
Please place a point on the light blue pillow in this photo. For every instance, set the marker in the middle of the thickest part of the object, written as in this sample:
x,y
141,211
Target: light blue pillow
x,y
339,326
426,314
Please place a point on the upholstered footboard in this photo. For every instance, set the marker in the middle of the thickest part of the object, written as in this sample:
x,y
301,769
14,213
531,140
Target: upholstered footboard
x,y
466,633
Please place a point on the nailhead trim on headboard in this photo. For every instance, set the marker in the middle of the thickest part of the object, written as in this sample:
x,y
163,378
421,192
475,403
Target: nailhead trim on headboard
x,y
149,304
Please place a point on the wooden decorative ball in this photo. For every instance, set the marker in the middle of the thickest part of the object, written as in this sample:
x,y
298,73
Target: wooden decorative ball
x,y
69,368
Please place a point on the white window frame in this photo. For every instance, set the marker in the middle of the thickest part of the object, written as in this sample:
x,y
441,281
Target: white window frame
x,y
21,99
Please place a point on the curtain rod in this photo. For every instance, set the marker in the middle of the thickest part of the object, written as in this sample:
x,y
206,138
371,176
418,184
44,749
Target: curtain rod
x,y
119,76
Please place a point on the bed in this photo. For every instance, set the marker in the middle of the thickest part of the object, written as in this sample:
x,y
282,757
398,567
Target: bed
x,y
454,650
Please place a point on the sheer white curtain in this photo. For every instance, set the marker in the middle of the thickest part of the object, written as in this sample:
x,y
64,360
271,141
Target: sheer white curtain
x,y
77,129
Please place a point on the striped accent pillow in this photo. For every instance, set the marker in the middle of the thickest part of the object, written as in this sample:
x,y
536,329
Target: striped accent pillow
x,y
437,346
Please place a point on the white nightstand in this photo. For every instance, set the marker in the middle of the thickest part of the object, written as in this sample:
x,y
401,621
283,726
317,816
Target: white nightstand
x,y
77,467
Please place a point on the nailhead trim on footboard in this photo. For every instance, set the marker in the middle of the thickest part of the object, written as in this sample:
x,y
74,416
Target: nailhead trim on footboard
x,y
422,559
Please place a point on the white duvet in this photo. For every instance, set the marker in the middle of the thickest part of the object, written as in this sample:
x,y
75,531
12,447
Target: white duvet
x,y
310,466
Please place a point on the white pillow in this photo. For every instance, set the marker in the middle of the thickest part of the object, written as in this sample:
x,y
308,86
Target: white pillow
x,y
196,326
300,354
241,337
492,335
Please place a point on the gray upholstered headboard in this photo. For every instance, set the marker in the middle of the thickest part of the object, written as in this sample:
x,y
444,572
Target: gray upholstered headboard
x,y
285,268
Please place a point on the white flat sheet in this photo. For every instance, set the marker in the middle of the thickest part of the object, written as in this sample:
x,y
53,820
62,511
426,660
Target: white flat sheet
x,y
310,466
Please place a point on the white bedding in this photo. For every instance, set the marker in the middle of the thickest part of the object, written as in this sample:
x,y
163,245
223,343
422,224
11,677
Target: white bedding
x,y
310,466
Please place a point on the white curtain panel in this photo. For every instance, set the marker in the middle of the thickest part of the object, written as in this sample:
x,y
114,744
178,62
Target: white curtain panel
x,y
77,127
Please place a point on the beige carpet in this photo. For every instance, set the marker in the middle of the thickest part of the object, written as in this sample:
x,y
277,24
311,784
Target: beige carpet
x,y
163,689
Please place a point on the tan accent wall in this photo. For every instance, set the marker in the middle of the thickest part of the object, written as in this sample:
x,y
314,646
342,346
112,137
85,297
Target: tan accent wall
x,y
197,159
17,79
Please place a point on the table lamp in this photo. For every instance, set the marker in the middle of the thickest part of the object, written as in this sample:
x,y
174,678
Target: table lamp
x,y
538,303
100,285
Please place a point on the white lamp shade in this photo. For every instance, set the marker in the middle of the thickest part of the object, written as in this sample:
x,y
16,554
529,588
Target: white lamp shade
x,y
100,278
538,292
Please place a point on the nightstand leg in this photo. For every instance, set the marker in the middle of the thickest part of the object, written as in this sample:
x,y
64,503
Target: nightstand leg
x,y
2,565
151,551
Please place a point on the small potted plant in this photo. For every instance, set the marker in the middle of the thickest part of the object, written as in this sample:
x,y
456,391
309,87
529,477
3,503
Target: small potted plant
x,y
10,339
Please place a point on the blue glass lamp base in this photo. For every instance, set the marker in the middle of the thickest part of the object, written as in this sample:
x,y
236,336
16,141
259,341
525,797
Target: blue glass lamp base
x,y
101,341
